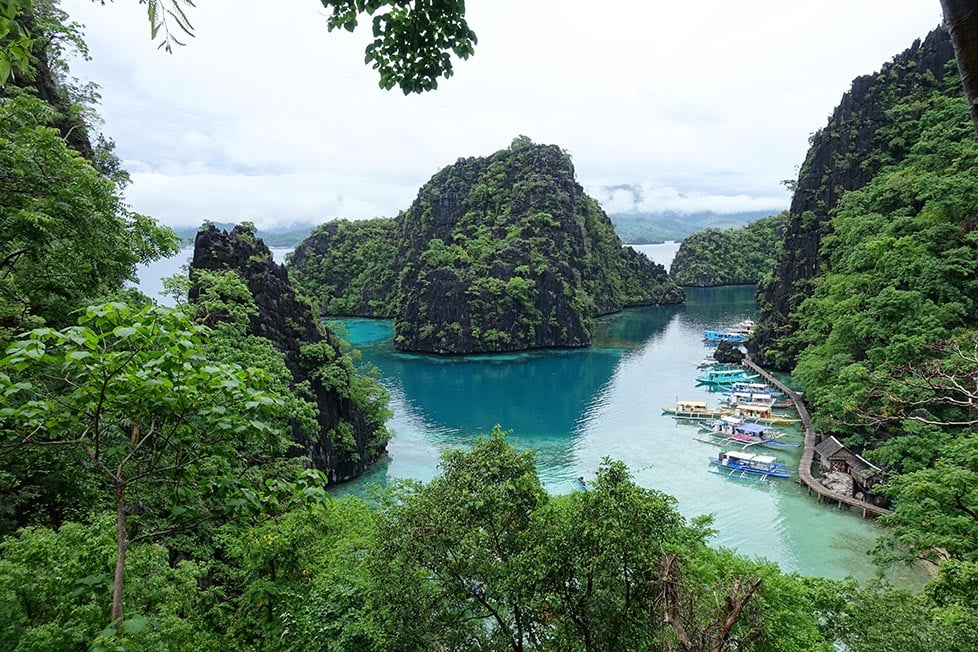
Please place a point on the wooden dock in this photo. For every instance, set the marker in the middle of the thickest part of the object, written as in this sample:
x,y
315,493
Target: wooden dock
x,y
805,476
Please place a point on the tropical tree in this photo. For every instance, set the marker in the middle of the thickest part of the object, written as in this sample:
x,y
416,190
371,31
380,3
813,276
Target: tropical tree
x,y
66,236
412,47
128,394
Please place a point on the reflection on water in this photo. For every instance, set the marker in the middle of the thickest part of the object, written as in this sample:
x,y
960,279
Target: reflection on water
x,y
576,407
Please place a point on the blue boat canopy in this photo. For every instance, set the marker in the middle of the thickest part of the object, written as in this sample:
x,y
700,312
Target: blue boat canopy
x,y
753,428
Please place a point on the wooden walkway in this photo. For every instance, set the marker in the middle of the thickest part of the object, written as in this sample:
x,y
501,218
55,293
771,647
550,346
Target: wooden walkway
x,y
805,476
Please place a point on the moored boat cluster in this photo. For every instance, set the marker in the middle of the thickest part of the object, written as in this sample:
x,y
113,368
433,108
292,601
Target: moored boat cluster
x,y
745,417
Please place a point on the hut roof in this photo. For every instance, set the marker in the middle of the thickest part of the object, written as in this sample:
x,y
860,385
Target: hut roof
x,y
829,447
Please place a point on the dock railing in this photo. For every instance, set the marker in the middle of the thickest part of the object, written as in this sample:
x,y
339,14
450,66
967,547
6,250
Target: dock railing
x,y
805,476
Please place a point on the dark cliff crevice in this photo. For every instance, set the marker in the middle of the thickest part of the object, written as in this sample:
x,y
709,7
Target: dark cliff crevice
x,y
290,324
844,156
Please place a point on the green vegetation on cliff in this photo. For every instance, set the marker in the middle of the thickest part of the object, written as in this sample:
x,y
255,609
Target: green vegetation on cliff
x,y
883,322
349,267
899,272
733,257
148,500
867,132
499,253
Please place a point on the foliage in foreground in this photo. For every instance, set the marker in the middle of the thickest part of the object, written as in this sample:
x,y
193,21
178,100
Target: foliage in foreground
x,y
480,558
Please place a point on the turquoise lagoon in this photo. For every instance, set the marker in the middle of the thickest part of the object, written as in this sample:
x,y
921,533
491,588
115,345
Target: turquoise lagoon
x,y
576,407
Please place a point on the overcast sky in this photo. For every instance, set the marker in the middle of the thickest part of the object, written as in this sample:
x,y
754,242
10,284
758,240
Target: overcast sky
x,y
265,116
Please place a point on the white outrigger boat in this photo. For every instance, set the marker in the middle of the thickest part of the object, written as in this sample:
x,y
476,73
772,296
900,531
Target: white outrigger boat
x,y
694,410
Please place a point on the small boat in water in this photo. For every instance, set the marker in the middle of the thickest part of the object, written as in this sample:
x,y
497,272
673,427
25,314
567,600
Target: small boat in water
x,y
756,388
694,410
583,483
749,398
748,465
724,336
736,430
744,326
724,377
762,414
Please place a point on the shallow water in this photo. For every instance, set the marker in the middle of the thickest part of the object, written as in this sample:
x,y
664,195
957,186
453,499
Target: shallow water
x,y
575,407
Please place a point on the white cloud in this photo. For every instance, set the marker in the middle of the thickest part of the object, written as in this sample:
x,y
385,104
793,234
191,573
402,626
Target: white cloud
x,y
267,116
653,199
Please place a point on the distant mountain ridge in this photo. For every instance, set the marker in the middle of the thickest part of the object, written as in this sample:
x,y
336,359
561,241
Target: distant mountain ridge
x,y
652,228
277,236
632,228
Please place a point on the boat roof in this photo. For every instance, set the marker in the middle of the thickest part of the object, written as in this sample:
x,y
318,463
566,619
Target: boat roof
x,y
738,455
753,428
695,404
751,457
754,396
746,407
731,419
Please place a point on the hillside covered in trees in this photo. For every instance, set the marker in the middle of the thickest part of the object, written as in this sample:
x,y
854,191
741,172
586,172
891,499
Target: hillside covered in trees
x,y
733,257
500,253
157,480
872,303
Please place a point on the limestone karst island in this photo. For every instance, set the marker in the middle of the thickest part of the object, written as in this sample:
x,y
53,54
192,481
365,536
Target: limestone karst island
x,y
298,353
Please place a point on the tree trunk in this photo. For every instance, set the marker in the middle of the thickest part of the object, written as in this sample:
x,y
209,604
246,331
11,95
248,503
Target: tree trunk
x,y
120,555
961,20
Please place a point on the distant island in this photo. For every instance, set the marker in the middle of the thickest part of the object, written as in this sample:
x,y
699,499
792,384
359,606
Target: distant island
x,y
498,253
731,257
658,227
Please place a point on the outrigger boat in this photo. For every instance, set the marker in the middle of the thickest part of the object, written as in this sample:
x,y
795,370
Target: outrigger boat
x,y
744,326
749,434
721,336
749,398
694,410
734,399
756,388
724,377
762,414
740,464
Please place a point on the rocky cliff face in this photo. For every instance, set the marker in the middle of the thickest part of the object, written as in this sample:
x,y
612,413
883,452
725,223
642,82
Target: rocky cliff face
x,y
290,324
505,253
844,155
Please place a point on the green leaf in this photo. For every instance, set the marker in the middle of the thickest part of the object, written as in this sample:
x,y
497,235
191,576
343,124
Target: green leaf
x,y
4,68
123,332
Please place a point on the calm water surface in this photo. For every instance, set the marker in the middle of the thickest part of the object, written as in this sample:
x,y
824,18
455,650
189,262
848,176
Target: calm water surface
x,y
576,407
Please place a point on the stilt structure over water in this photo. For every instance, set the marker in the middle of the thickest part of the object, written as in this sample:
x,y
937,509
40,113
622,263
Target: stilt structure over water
x,y
812,439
